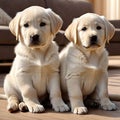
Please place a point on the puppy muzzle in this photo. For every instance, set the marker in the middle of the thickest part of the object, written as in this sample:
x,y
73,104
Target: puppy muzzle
x,y
34,40
93,40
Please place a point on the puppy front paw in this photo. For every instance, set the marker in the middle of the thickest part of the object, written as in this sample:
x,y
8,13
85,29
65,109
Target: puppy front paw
x,y
35,108
12,107
23,107
108,106
80,110
59,106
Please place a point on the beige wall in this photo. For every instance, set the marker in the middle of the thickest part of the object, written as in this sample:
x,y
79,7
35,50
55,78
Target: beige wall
x,y
108,8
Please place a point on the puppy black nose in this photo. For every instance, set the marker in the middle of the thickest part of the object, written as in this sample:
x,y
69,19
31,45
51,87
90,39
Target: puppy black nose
x,y
34,39
93,39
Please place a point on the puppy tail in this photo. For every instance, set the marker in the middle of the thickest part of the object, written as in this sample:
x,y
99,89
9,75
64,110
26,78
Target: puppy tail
x,y
3,96
114,97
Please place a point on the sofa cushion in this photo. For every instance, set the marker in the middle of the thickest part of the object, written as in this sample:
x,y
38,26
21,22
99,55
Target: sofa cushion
x,y
6,53
6,37
69,9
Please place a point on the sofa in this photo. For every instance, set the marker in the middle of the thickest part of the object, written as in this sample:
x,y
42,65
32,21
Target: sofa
x,y
67,9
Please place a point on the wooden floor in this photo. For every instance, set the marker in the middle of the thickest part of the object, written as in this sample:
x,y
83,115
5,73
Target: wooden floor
x,y
114,88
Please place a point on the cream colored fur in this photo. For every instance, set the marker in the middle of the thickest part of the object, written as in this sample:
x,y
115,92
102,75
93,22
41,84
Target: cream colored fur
x,y
84,62
35,70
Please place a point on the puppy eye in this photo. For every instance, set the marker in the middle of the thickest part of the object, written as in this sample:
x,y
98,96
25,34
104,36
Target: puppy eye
x,y
26,25
42,24
84,29
98,27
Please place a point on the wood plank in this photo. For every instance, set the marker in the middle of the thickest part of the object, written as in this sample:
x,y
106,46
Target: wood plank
x,y
93,114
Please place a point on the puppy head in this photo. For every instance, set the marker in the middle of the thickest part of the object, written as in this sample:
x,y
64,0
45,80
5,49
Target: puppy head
x,y
35,26
90,31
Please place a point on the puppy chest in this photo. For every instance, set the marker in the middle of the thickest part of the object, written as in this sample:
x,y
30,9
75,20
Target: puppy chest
x,y
89,81
40,81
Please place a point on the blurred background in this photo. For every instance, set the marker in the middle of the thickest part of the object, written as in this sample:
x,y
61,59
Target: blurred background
x,y
109,8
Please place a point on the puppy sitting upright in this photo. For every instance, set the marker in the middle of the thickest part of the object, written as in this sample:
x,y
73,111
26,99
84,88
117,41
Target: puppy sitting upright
x,y
35,68
84,62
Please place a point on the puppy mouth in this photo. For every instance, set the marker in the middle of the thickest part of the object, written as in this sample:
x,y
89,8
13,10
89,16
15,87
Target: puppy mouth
x,y
92,46
35,43
93,42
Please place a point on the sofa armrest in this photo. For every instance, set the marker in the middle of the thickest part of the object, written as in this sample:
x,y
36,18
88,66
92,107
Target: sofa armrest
x,y
116,23
114,62
114,45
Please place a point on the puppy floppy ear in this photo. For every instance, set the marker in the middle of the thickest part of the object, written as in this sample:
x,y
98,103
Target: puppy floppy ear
x,y
55,21
109,29
14,25
71,31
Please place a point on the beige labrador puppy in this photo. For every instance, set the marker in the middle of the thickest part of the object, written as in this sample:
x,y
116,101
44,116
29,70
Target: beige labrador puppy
x,y
84,62
35,68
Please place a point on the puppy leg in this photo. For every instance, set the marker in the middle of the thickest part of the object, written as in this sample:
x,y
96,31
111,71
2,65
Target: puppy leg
x,y
75,96
31,100
102,89
29,94
11,94
55,94
13,103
